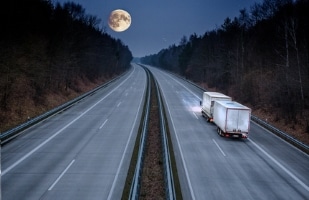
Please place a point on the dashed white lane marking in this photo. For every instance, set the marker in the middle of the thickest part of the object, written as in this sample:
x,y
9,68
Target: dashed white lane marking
x,y
58,132
124,152
219,147
57,180
103,123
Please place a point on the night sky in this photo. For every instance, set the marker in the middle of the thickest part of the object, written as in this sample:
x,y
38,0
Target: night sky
x,y
157,24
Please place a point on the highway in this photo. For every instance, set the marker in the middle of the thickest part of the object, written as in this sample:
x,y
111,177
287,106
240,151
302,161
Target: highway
x,y
213,167
81,153
84,152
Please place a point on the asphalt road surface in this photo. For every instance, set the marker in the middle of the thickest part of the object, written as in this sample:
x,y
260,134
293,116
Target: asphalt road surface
x,y
213,167
81,153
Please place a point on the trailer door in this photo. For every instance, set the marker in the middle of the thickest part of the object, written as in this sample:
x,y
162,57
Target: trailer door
x,y
243,120
231,120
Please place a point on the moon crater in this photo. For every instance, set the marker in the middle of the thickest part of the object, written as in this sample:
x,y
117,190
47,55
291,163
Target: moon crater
x,y
119,20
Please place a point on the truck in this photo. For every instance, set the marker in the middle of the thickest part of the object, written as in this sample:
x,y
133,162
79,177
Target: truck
x,y
207,103
232,119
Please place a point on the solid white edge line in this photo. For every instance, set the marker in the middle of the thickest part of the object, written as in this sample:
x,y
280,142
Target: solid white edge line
x,y
60,176
286,142
263,151
219,147
103,123
181,153
280,165
58,132
182,157
124,153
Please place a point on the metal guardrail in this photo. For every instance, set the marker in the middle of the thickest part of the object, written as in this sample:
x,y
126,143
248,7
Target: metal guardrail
x,y
168,175
135,187
276,131
281,134
169,181
14,132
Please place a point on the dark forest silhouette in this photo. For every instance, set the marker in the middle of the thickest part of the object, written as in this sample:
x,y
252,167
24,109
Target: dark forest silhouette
x,y
260,58
49,51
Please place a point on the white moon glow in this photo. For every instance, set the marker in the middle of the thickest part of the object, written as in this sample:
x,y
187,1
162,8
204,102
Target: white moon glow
x,y
119,20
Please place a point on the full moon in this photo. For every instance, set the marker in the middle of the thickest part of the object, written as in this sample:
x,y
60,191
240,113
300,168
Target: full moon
x,y
119,20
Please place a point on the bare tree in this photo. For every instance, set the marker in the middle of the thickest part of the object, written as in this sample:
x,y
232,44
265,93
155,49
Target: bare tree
x,y
292,32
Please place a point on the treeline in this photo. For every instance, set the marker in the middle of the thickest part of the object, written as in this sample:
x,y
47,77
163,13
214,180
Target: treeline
x,y
260,58
47,47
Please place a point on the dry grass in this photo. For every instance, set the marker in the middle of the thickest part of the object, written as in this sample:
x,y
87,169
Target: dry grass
x,y
23,104
152,180
297,129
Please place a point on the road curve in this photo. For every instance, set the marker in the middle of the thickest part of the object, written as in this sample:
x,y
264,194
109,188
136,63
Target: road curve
x,y
212,167
81,153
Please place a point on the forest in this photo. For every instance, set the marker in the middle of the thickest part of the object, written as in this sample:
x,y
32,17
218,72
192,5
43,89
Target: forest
x,y
50,54
259,58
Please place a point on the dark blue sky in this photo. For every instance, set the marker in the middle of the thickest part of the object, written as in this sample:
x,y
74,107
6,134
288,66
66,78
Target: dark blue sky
x,y
157,24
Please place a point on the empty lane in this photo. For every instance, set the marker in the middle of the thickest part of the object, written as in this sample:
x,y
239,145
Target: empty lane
x,y
81,153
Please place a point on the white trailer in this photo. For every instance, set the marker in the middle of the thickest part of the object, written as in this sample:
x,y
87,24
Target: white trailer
x,y
232,119
208,103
